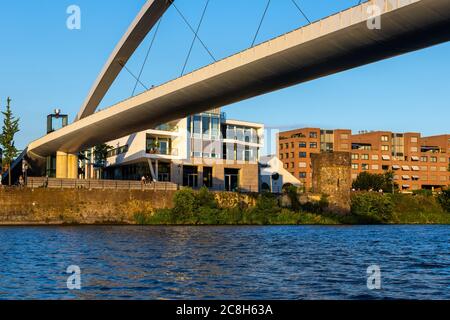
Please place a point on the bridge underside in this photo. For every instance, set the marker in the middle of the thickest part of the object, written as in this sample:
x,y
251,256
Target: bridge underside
x,y
332,45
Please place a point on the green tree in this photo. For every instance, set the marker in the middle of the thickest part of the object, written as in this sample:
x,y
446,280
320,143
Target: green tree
x,y
444,200
100,156
372,207
368,181
9,130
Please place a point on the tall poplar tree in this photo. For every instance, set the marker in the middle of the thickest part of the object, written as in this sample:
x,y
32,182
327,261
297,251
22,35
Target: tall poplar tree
x,y
9,129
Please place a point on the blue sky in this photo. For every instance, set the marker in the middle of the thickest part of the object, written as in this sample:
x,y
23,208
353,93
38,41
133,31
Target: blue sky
x,y
44,65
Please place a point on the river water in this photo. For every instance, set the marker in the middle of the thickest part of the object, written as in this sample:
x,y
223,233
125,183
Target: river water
x,y
299,262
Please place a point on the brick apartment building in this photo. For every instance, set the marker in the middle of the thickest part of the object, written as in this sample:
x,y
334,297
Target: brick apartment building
x,y
417,162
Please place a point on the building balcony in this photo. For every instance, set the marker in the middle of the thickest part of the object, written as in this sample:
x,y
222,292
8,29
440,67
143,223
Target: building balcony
x,y
167,127
165,130
158,152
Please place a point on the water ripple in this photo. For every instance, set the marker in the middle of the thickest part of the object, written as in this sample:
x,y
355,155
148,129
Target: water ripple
x,y
308,262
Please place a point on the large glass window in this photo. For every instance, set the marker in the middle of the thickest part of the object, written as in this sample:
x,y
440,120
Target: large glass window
x,y
206,126
215,127
231,132
196,125
240,134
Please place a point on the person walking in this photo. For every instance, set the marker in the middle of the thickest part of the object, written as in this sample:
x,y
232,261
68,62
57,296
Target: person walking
x,y
21,181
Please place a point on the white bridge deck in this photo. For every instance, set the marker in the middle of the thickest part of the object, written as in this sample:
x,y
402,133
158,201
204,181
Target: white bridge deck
x,y
334,44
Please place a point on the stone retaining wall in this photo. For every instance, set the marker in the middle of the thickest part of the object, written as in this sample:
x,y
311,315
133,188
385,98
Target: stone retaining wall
x,y
51,206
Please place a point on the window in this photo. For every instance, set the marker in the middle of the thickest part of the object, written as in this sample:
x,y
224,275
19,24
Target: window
x,y
344,136
355,156
302,154
365,157
327,146
117,151
433,159
248,154
313,145
313,135
302,165
442,159
365,166
375,167
292,145
384,148
287,155
385,167
205,126
302,175
414,139
281,156
424,159
375,157
414,149
281,146
196,125
355,166
361,146
215,127
292,155
302,144
292,165
344,146
385,138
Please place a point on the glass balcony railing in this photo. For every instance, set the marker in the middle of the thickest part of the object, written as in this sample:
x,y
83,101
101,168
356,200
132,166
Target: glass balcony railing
x,y
162,151
167,127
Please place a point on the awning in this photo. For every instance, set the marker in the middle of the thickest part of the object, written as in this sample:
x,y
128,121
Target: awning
x,y
416,177
395,167
415,158
385,157
405,186
406,168
406,177
415,168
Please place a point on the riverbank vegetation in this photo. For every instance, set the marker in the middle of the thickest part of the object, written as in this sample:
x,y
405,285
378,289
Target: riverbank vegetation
x,y
202,208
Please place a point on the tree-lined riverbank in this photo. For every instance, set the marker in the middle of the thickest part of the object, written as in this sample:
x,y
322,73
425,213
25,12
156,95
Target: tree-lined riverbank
x,y
187,207
202,208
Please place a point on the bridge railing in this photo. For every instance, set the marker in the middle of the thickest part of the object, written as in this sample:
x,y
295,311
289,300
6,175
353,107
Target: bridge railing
x,y
54,183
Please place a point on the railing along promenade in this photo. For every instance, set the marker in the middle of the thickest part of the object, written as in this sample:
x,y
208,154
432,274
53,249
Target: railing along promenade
x,y
54,183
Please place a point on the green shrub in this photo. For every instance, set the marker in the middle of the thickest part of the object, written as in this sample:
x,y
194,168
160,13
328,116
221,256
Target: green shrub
x,y
207,216
231,216
185,203
292,192
444,200
423,192
205,198
418,209
141,218
316,207
285,217
161,217
372,207
267,203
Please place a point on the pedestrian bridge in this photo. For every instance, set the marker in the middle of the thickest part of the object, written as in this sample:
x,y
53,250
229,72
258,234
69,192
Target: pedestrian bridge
x,y
337,43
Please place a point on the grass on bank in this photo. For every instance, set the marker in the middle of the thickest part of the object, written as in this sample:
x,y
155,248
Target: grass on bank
x,y
201,208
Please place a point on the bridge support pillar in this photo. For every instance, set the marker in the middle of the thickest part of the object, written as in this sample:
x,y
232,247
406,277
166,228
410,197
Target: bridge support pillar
x,y
66,165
